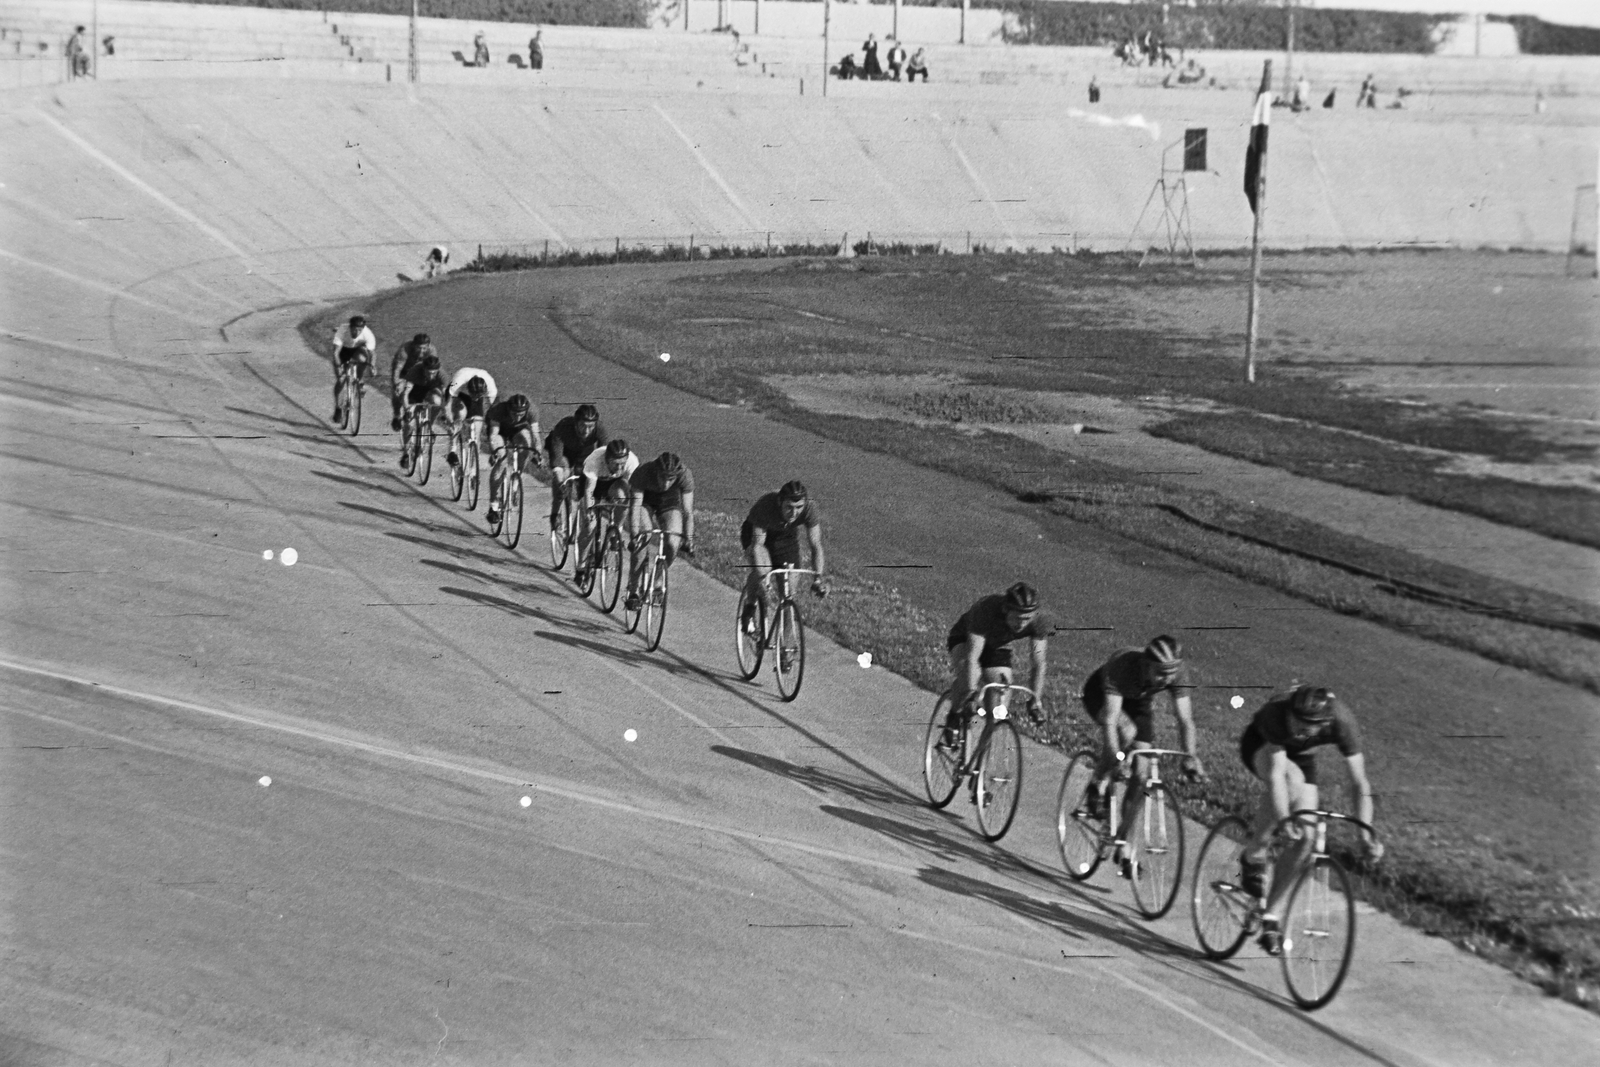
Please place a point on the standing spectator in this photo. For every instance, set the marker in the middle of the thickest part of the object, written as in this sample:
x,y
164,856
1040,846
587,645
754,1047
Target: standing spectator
x,y
77,55
1094,90
897,59
536,51
480,50
1302,95
871,69
918,65
1368,96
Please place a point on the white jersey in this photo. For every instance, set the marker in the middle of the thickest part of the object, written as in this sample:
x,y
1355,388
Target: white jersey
x,y
461,377
364,339
596,469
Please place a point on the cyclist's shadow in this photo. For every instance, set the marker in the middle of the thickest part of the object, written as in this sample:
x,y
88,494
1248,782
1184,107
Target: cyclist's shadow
x,y
931,840
485,577
361,483
512,607
817,779
636,657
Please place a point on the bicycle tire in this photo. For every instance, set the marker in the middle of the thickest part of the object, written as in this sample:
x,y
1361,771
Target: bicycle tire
x,y
631,616
425,452
591,563
559,545
1155,847
469,463
611,574
655,607
790,634
749,644
513,519
1078,834
999,780
353,408
1219,907
458,473
1319,933
941,763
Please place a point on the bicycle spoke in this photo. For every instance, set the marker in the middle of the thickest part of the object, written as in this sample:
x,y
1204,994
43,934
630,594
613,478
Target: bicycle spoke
x,y
1319,934
941,756
1155,848
999,780
1221,909
1078,833
790,639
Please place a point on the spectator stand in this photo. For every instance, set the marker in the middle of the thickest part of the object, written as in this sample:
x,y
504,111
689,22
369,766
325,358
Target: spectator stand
x,y
1173,226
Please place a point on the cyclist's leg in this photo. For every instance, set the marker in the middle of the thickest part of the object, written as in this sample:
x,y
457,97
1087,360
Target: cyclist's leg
x,y
639,554
1302,797
397,401
455,415
558,479
671,521
499,453
582,499
958,684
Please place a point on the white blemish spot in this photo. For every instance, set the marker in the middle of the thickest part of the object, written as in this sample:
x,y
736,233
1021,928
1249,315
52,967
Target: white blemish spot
x,y
666,357
288,557
865,659
1237,701
630,734
267,554
264,781
526,802
1499,289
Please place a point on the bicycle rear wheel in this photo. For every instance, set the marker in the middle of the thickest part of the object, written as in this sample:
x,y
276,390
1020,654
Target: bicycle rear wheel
x,y
1221,909
610,576
748,634
941,756
999,780
559,544
469,463
1319,933
790,641
1155,845
425,452
655,607
1078,834
513,520
458,473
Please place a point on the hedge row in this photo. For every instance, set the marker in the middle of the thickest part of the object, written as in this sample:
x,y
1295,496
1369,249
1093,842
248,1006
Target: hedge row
x,y
633,13
1538,38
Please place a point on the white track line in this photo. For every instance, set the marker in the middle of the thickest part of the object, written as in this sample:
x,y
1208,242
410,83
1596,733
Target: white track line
x,y
705,164
113,290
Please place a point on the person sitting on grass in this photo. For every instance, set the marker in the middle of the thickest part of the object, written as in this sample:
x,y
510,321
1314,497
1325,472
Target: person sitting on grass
x,y
918,65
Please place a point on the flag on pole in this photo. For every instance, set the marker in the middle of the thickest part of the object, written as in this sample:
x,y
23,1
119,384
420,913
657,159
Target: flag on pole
x,y
1256,153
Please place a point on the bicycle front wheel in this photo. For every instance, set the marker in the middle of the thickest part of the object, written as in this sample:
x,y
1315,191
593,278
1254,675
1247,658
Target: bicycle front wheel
x,y
458,473
999,780
941,756
610,576
559,544
469,464
1078,833
353,418
513,519
1221,908
655,607
748,634
639,585
790,639
425,453
590,564
1155,847
1319,933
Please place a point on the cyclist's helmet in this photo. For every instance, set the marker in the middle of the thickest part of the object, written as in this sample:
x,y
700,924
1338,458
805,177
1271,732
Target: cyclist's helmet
x,y
587,413
1311,705
792,491
1164,653
1022,598
670,466
617,450
520,408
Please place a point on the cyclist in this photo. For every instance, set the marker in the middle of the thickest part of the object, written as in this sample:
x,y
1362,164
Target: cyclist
x,y
401,364
1119,697
662,492
512,421
1277,747
980,647
770,538
569,443
470,394
352,342
425,384
606,474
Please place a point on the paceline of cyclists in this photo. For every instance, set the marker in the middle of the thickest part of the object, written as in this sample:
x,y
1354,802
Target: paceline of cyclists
x,y
587,467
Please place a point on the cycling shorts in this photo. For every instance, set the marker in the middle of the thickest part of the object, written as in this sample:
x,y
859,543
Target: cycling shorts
x,y
659,504
993,657
419,394
611,489
356,354
784,551
1250,743
517,434
1139,712
471,407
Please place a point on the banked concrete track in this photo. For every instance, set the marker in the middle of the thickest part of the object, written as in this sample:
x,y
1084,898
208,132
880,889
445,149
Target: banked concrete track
x,y
745,882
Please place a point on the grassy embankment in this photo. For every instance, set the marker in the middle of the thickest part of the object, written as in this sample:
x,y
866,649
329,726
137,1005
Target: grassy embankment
x,y
740,329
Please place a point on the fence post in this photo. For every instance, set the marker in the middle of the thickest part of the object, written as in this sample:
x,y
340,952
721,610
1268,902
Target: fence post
x,y
969,242
691,246
616,257
480,251
769,244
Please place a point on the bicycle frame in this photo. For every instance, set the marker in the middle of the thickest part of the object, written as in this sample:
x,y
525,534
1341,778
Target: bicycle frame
x,y
977,705
780,578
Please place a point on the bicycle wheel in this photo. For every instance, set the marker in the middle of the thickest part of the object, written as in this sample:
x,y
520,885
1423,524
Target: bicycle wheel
x,y
469,464
631,616
748,644
1155,845
1222,910
425,452
1319,933
590,563
513,519
559,544
655,607
941,756
458,473
999,780
790,639
610,576
353,405
1078,833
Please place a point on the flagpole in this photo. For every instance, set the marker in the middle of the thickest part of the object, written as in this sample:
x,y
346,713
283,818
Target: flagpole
x,y
1254,314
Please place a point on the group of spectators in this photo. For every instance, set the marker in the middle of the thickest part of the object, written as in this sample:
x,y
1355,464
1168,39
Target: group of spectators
x,y
78,51
480,51
1147,49
871,69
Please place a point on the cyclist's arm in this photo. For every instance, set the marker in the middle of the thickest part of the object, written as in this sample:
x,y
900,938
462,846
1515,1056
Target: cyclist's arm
x,y
760,556
1108,724
1363,788
975,644
635,512
1278,781
819,559
688,517
1036,648
1184,713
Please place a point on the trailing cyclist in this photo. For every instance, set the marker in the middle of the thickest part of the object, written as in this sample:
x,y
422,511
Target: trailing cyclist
x,y
770,537
1119,696
1278,747
606,474
980,647
352,342
511,422
471,394
660,496
425,384
401,364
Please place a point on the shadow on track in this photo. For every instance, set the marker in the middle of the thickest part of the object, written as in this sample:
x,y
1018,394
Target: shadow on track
x,y
458,551
633,657
514,608
497,581
817,779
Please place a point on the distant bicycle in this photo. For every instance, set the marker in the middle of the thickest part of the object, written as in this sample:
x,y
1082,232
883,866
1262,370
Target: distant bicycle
x,y
509,506
351,386
1149,851
420,437
988,757
1319,923
786,633
564,531
605,568
464,476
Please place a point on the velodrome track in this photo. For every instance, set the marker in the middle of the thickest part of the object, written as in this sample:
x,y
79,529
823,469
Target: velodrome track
x,y
745,882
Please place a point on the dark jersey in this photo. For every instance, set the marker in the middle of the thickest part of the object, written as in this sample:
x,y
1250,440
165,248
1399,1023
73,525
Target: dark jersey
x,y
564,442
1271,723
407,358
424,381
501,420
647,480
1128,674
767,515
987,619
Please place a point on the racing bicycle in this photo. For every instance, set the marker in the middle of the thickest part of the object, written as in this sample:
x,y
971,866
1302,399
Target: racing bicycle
x,y
651,585
509,504
465,474
1318,927
419,439
1148,851
564,530
785,632
351,386
605,568
988,757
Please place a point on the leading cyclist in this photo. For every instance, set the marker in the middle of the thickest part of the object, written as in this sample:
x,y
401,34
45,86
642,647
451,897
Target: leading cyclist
x,y
352,342
770,537
980,647
605,478
513,421
1277,747
471,393
660,496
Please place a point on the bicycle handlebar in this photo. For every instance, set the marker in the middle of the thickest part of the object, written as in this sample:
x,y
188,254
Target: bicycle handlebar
x,y
1152,753
1314,815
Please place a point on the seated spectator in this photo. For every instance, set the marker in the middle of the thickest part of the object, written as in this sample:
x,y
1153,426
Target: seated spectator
x,y
480,50
897,59
1094,90
536,51
847,67
1188,74
111,45
918,65
870,67
1368,94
